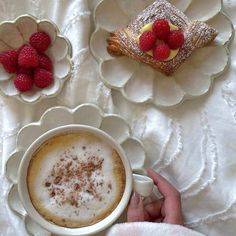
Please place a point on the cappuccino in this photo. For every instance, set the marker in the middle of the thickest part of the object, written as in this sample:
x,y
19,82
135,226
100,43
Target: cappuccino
x,y
75,179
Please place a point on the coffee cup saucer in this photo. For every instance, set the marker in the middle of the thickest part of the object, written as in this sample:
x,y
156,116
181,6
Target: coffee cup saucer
x,y
85,114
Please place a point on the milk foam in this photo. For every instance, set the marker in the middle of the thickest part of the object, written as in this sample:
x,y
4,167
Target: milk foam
x,y
75,177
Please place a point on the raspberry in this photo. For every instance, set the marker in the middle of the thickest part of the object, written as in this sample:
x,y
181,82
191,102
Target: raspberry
x,y
26,71
23,82
176,39
9,61
147,41
161,52
161,29
40,41
28,57
19,49
45,62
42,78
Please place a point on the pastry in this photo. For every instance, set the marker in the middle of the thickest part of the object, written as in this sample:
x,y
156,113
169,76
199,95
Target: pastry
x,y
161,36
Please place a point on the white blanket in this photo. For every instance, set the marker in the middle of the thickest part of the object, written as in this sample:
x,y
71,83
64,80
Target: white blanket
x,y
201,133
150,229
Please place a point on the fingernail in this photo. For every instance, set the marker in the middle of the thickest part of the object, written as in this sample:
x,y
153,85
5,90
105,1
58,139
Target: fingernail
x,y
135,199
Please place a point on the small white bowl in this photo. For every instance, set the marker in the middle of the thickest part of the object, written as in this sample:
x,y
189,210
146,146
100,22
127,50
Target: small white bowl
x,y
14,34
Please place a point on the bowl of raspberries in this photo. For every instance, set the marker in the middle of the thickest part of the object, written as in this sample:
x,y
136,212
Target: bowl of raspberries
x,y
35,59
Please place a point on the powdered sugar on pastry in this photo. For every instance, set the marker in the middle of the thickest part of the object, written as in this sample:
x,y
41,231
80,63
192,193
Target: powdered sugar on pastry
x,y
197,34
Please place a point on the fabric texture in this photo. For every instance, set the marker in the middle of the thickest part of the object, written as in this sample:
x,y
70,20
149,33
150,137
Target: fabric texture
x,y
193,144
150,229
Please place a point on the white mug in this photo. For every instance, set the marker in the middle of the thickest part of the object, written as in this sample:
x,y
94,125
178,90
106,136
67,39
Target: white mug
x,y
139,183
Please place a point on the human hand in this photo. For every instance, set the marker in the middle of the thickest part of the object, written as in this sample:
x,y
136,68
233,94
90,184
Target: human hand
x,y
166,210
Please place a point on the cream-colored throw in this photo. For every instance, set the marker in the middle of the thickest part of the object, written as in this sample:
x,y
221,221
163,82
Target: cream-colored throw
x,y
150,229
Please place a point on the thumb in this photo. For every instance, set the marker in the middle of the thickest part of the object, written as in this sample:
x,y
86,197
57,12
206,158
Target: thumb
x,y
135,209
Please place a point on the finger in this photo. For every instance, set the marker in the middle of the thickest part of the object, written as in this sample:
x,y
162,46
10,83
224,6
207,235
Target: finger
x,y
154,208
165,188
173,211
159,220
147,217
172,199
135,209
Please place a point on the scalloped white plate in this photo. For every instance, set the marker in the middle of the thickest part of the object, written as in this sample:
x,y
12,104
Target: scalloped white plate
x,y
13,34
86,114
140,83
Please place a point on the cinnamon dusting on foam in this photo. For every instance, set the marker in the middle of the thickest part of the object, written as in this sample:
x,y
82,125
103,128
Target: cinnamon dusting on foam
x,y
77,176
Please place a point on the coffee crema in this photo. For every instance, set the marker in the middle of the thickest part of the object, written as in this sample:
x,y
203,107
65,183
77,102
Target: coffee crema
x,y
75,179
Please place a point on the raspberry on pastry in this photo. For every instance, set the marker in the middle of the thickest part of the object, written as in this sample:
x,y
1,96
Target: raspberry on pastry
x,y
175,39
161,52
147,41
161,29
173,30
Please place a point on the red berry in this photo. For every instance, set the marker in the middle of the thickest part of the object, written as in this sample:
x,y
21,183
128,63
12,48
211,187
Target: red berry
x,y
40,41
176,39
147,41
19,49
9,61
161,29
23,82
28,57
161,52
45,62
42,78
27,71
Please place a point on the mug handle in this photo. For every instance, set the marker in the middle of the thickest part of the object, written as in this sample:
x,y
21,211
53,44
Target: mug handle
x,y
143,185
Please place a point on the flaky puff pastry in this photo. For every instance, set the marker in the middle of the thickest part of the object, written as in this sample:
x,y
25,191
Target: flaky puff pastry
x,y
125,41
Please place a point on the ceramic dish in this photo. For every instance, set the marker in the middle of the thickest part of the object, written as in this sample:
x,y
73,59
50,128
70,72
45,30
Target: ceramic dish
x,y
139,183
86,114
13,34
139,83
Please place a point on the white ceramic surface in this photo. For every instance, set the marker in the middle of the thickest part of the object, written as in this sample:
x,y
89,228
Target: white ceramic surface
x,y
59,116
139,83
14,34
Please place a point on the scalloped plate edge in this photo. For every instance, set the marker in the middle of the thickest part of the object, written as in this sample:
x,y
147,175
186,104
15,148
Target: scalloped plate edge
x,y
139,170
186,96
